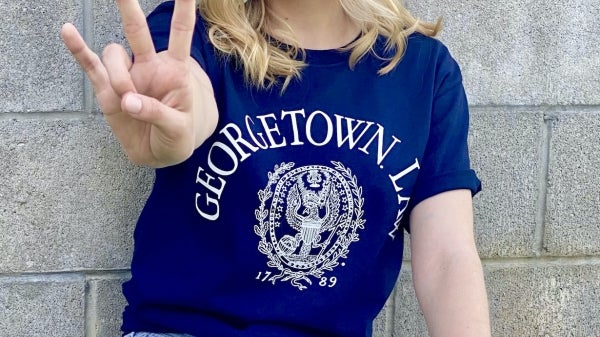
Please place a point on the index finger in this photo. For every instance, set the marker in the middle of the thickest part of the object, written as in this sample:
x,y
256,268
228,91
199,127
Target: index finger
x,y
182,29
87,59
136,29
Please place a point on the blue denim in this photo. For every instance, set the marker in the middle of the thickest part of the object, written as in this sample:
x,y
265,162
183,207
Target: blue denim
x,y
152,334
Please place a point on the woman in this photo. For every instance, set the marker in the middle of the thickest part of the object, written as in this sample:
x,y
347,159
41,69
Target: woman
x,y
293,141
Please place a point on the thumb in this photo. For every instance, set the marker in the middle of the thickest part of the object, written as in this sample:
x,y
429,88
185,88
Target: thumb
x,y
152,111
132,104
144,108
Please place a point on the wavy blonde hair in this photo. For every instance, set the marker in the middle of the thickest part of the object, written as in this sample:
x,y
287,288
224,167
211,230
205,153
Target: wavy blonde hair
x,y
238,29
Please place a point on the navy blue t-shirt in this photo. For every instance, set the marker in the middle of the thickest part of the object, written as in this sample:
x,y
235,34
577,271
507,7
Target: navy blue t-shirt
x,y
288,220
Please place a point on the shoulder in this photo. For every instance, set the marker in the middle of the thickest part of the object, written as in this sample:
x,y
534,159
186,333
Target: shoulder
x,y
433,57
426,63
427,48
424,40
421,52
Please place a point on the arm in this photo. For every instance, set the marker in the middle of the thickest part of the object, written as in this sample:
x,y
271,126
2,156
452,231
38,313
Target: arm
x,y
447,272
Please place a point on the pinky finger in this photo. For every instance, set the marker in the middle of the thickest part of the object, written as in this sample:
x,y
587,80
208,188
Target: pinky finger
x,y
87,59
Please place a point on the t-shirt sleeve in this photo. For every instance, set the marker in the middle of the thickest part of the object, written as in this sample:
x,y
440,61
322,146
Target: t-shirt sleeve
x,y
159,22
445,164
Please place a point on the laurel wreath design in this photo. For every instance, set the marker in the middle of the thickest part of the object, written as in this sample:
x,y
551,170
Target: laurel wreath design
x,y
298,278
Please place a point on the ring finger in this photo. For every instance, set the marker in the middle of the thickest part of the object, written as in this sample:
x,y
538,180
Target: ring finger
x,y
117,64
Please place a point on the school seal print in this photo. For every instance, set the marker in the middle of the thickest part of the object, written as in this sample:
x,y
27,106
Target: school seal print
x,y
307,219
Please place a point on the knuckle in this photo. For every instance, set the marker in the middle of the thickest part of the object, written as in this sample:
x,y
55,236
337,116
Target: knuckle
x,y
153,108
120,84
76,49
181,25
176,130
89,63
180,81
133,27
109,49
115,52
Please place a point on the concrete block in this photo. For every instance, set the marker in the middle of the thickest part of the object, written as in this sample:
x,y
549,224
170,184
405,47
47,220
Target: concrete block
x,y
107,22
522,53
41,307
383,322
406,254
506,150
510,53
37,73
573,216
408,320
109,305
70,198
552,300
506,153
525,300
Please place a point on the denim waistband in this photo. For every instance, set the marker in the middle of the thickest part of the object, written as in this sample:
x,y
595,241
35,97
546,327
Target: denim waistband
x,y
152,334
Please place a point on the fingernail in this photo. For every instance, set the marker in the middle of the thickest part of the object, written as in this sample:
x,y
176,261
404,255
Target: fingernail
x,y
133,104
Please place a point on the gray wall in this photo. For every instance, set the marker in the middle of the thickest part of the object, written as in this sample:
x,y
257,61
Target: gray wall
x,y
69,198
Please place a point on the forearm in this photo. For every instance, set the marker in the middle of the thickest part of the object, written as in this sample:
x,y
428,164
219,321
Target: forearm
x,y
452,295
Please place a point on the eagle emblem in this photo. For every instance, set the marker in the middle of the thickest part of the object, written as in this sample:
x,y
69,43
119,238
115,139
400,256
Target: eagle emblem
x,y
307,219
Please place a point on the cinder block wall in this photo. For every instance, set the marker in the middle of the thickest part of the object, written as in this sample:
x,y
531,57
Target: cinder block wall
x,y
69,199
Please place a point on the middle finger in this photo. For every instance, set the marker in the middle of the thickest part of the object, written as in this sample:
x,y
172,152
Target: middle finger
x,y
136,29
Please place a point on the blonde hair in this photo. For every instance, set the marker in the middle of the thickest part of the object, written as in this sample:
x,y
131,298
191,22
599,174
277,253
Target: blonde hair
x,y
238,30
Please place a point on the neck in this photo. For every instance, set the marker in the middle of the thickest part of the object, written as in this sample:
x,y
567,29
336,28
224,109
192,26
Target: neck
x,y
315,24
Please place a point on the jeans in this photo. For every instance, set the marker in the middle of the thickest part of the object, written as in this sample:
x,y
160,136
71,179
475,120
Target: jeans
x,y
151,334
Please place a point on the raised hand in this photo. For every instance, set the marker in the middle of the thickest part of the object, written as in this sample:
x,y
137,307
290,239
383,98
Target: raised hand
x,y
161,107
